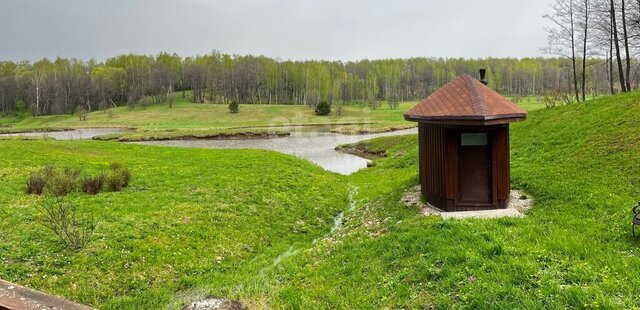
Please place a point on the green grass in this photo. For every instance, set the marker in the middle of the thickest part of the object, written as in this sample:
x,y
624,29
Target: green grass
x,y
188,216
186,115
531,104
574,249
160,120
158,243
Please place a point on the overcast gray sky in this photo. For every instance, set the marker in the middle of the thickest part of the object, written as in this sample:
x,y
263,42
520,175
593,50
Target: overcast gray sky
x,y
287,29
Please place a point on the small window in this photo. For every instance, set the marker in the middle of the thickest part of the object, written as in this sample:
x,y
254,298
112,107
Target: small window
x,y
473,139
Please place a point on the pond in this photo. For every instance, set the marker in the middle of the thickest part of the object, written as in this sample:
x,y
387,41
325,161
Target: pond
x,y
316,144
76,134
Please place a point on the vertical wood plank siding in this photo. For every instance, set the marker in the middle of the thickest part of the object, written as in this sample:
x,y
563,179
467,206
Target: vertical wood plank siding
x,y
502,161
439,147
436,164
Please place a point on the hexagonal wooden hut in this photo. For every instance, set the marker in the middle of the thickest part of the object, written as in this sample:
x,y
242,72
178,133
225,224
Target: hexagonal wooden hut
x,y
463,131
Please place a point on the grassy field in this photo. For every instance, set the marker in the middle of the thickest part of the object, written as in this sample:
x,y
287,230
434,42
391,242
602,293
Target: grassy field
x,y
188,119
187,115
257,225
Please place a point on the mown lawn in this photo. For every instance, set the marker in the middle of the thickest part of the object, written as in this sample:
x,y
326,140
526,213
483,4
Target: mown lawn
x,y
269,216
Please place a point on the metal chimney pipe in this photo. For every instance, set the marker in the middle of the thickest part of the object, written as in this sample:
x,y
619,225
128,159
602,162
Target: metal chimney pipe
x,y
483,76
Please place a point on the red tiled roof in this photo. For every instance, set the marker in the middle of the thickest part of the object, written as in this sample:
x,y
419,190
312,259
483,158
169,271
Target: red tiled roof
x,y
466,101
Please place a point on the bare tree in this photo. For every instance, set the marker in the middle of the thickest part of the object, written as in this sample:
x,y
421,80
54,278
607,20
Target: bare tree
x,y
614,30
562,37
626,47
585,10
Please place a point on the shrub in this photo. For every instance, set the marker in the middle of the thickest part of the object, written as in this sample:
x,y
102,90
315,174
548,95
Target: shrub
x,y
234,107
59,183
62,183
116,166
53,181
36,183
114,182
92,185
124,172
119,177
62,218
323,108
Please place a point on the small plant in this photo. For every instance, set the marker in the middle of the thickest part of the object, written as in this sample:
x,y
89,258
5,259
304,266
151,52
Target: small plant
x,y
62,183
114,182
52,181
62,218
234,107
36,183
124,172
119,177
92,185
323,108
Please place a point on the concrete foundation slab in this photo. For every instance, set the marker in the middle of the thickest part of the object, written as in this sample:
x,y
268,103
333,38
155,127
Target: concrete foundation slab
x,y
484,214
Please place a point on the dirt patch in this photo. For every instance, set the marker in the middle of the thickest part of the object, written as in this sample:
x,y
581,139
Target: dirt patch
x,y
361,150
352,130
215,136
412,197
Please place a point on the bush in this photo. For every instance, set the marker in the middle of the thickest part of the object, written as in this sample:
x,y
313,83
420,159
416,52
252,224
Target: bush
x,y
323,108
234,107
36,183
119,177
92,185
124,172
61,184
51,180
62,218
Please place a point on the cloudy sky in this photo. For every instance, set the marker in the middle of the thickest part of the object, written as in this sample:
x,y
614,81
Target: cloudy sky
x,y
286,29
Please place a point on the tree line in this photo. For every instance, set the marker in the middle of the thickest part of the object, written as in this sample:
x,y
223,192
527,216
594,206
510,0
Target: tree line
x,y
604,29
61,86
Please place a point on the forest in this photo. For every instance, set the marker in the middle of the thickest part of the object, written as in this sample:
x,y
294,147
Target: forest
x,y
60,86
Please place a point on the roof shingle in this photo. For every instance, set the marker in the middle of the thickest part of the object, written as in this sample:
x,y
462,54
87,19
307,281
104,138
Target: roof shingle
x,y
466,100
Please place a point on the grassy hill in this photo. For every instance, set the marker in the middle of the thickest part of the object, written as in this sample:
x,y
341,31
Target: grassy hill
x,y
574,249
258,226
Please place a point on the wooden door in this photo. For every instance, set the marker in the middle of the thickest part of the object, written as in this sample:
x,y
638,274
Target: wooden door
x,y
474,173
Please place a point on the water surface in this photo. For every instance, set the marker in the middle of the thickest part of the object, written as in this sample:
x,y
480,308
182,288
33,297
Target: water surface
x,y
315,144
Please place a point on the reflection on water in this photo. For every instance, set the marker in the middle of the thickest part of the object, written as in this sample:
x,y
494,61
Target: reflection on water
x,y
77,134
314,145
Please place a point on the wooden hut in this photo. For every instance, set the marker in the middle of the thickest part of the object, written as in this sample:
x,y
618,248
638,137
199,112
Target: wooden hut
x,y
463,131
